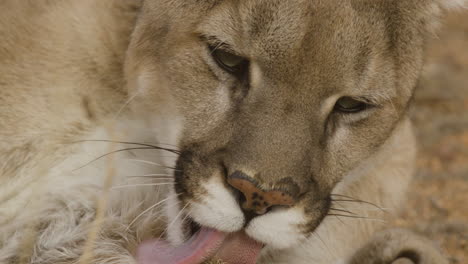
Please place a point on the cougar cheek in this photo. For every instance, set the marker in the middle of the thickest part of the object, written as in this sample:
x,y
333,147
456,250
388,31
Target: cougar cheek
x,y
279,229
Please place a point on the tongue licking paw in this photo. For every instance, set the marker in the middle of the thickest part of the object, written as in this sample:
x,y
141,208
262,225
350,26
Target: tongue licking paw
x,y
235,248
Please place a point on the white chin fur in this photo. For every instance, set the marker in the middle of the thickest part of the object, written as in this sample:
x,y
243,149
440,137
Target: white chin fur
x,y
218,209
278,229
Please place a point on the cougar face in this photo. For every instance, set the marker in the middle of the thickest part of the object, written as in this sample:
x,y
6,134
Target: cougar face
x,y
271,102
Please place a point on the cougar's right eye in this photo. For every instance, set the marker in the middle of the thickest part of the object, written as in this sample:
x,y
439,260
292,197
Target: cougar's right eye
x,y
350,105
229,62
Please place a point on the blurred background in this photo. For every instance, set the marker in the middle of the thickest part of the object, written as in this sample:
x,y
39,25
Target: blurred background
x,y
438,205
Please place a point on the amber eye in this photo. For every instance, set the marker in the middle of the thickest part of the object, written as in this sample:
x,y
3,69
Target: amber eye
x,y
229,62
350,105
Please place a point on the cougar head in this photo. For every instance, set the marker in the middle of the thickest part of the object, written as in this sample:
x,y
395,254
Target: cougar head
x,y
273,102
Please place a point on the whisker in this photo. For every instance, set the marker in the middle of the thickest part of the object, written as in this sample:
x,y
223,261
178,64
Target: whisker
x,y
146,162
151,163
132,143
127,103
143,185
152,176
363,202
324,244
146,211
351,199
354,199
151,179
339,219
344,196
110,153
171,206
359,217
173,221
342,210
372,209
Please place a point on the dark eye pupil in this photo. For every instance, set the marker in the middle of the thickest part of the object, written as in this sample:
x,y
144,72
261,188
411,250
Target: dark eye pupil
x,y
349,105
229,62
228,59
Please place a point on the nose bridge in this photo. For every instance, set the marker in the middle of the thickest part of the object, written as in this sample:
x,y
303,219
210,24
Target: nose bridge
x,y
268,157
269,160
270,145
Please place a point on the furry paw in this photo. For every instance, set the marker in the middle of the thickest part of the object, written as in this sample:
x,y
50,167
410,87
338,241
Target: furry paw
x,y
403,261
398,246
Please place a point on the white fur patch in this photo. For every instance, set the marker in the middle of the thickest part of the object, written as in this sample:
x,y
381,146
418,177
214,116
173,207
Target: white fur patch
x,y
175,228
278,229
223,99
255,75
218,208
328,104
341,135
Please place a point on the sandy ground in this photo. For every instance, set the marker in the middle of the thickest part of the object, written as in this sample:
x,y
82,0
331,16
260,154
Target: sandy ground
x,y
438,205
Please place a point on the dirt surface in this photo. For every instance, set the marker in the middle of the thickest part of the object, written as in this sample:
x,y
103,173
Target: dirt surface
x,y
438,205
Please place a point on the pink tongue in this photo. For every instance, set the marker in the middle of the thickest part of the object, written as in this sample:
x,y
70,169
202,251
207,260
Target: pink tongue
x,y
238,248
235,248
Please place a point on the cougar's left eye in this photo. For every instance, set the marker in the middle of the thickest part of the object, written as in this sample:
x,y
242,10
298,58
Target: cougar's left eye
x,y
350,105
229,62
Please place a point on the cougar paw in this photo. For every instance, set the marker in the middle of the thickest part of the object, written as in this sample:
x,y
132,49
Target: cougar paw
x,y
411,257
403,261
398,246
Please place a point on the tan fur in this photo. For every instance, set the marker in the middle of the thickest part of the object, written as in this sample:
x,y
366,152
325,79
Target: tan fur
x,y
90,70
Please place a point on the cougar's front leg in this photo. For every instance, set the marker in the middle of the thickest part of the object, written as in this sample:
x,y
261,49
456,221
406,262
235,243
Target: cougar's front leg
x,y
398,246
58,231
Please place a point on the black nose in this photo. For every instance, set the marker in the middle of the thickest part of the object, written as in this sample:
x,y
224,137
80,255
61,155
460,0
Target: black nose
x,y
258,200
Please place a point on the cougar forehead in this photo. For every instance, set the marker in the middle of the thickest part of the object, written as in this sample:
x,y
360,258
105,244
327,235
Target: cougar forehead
x,y
305,43
323,48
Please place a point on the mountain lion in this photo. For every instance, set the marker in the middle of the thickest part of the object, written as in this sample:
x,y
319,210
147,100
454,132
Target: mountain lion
x,y
179,131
